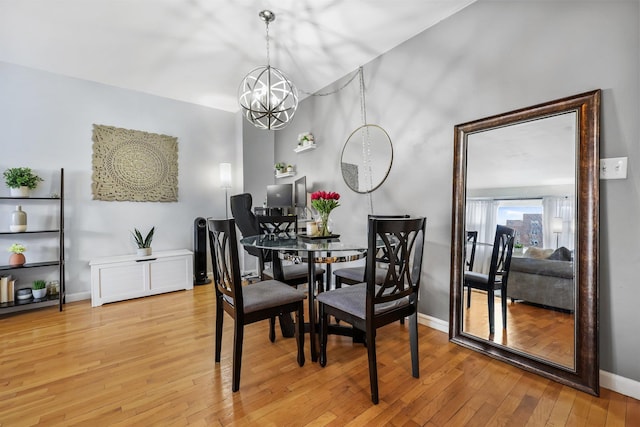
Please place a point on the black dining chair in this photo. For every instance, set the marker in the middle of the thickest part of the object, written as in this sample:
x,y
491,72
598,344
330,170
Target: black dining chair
x,y
370,305
470,257
355,275
294,274
246,304
498,275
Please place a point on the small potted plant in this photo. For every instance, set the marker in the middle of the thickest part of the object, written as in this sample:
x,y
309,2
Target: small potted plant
x,y
289,168
39,289
280,167
305,139
144,243
21,181
17,259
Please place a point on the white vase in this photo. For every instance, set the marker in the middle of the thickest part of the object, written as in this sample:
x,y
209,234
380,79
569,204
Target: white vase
x,y
20,191
18,220
144,251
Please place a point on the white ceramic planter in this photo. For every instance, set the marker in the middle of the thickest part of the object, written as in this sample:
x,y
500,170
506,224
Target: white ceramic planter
x,y
20,191
39,293
143,251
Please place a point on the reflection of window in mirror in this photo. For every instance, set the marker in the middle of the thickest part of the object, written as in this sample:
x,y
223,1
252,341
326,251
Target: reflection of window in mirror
x,y
525,217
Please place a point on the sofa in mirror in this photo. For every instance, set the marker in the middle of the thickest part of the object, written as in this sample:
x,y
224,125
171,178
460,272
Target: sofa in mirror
x,y
534,170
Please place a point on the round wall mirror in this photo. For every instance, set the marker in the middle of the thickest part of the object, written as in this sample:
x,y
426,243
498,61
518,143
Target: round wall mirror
x,y
366,158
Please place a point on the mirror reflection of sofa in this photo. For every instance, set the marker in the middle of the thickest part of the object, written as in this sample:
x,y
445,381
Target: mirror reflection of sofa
x,y
543,277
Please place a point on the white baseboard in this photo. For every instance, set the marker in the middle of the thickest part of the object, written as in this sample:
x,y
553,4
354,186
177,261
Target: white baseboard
x,y
79,296
433,323
619,384
610,381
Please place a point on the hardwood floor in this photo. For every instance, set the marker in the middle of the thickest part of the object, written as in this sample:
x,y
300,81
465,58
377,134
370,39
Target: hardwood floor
x,y
150,362
539,331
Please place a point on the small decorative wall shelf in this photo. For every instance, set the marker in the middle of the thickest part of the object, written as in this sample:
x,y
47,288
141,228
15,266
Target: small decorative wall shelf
x,y
285,174
301,148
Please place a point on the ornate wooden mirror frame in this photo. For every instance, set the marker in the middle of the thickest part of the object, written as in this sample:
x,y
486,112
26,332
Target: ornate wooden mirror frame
x,y
584,374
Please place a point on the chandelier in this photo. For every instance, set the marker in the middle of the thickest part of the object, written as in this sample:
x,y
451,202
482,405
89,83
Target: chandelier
x,y
267,97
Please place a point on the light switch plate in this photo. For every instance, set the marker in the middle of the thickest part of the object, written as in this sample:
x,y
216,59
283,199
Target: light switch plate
x,y
614,168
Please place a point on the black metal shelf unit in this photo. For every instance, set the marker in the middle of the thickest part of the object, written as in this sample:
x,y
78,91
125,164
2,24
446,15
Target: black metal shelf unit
x,y
31,303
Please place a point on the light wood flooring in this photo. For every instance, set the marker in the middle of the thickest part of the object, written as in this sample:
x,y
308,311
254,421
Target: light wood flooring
x,y
150,362
542,332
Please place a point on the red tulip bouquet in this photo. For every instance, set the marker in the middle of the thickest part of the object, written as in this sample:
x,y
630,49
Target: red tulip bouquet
x,y
324,202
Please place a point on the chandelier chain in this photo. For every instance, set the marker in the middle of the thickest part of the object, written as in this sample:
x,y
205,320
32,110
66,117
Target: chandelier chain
x,y
268,59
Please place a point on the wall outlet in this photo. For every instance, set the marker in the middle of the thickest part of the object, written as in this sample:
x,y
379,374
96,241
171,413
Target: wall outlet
x,y
614,168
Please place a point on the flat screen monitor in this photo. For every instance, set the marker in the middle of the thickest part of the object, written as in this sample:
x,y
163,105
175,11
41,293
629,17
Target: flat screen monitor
x,y
279,196
300,192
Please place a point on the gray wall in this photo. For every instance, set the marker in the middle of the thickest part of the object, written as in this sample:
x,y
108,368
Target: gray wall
x,y
46,123
492,57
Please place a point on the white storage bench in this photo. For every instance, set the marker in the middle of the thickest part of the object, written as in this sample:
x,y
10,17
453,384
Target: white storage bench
x,y
124,277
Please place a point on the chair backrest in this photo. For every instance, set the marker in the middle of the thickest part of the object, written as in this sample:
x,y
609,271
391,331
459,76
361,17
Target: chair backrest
x,y
244,218
383,256
472,240
224,259
501,254
279,226
403,240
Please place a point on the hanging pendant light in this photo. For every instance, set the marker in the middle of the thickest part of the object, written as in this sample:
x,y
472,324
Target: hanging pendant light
x,y
267,97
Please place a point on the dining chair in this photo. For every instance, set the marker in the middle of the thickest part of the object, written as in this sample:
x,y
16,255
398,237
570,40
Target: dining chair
x,y
498,275
295,274
370,305
470,257
292,274
246,304
355,275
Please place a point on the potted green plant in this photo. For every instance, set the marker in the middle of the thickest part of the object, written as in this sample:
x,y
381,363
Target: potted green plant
x,y
17,258
39,289
21,181
280,167
144,243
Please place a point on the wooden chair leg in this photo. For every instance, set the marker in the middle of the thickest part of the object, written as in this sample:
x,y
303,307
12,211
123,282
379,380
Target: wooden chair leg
x,y
503,297
338,282
272,329
413,340
219,319
299,332
324,321
491,303
373,367
238,335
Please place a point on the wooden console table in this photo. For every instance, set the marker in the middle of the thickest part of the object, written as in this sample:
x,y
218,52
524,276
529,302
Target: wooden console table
x,y
124,277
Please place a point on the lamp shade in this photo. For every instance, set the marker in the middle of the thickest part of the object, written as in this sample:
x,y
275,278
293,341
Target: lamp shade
x,y
225,175
556,225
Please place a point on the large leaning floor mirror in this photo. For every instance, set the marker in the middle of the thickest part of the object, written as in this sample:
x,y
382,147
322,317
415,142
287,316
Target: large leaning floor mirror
x,y
524,274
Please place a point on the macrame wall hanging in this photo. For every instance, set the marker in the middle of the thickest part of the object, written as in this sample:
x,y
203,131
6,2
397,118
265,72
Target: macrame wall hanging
x,y
131,165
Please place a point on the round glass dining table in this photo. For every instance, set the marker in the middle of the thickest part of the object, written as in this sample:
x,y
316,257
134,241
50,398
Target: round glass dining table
x,y
299,248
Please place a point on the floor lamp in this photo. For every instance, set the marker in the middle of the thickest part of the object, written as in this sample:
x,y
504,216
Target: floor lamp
x,y
225,182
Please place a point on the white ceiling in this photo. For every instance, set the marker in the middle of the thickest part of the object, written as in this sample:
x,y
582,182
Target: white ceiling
x,y
198,51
